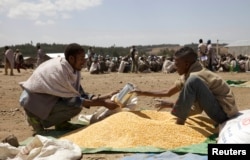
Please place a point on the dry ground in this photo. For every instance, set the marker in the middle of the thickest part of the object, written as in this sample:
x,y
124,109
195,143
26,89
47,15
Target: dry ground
x,y
12,119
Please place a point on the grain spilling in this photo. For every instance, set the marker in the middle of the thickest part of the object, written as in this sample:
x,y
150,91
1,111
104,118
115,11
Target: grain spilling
x,y
142,128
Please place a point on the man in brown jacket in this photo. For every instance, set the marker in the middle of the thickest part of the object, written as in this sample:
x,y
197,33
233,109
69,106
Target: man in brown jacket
x,y
200,90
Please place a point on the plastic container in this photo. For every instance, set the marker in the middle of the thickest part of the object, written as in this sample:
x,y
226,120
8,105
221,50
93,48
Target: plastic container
x,y
124,96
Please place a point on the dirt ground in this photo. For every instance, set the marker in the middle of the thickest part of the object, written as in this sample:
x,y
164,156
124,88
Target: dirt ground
x,y
12,119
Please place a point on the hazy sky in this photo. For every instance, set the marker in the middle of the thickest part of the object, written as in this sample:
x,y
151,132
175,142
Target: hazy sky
x,y
123,22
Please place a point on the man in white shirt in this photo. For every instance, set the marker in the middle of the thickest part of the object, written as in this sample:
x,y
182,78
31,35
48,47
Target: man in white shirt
x,y
9,60
202,53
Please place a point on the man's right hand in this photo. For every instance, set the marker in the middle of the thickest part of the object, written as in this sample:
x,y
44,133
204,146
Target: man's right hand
x,y
163,104
110,104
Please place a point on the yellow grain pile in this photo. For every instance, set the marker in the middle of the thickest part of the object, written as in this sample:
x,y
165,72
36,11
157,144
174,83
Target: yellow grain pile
x,y
142,128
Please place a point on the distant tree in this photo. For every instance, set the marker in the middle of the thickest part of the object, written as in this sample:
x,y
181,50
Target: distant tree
x,y
167,52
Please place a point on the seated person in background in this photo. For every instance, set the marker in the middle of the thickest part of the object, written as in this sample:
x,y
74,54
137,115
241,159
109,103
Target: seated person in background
x,y
234,64
95,67
199,87
124,66
224,64
53,94
168,65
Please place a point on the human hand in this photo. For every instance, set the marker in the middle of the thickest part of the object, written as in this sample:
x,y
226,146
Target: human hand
x,y
136,91
110,104
163,104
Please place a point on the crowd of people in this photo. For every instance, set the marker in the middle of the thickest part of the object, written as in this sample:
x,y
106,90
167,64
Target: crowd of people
x,y
15,60
133,62
223,62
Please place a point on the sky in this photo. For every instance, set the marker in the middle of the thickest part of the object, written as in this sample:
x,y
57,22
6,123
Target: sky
x,y
123,23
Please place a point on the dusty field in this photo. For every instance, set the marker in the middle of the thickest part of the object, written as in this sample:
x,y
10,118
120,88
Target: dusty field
x,y
11,114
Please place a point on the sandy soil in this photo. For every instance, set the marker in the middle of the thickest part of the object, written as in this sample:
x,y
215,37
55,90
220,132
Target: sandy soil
x,y
12,117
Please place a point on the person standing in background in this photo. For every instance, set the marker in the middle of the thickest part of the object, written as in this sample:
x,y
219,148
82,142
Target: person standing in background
x,y
134,57
91,55
9,60
19,60
212,59
202,53
40,55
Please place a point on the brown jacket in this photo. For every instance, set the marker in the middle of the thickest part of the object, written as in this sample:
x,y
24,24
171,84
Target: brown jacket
x,y
216,84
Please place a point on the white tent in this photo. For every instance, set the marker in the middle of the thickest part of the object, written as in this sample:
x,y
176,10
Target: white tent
x,y
54,55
